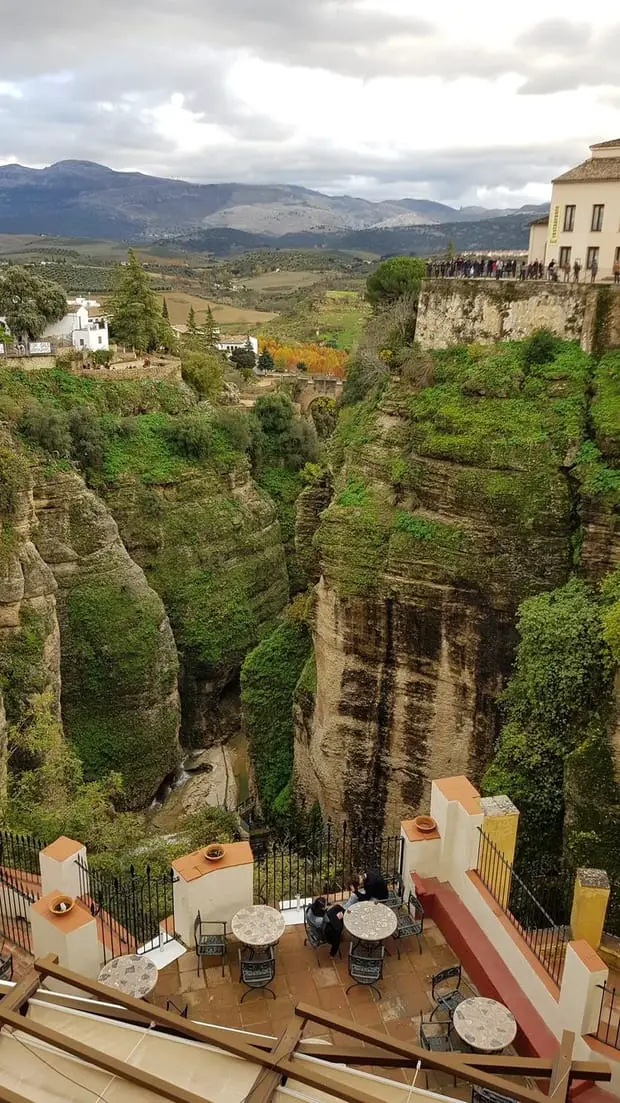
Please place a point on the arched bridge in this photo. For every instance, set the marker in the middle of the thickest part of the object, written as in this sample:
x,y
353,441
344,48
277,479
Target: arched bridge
x,y
318,386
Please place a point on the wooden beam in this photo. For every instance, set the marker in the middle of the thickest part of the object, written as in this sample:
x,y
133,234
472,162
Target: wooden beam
x,y
99,1059
463,1069
25,990
9,1096
266,1082
560,1077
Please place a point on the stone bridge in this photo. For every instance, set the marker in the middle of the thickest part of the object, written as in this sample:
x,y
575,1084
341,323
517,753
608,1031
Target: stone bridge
x,y
318,386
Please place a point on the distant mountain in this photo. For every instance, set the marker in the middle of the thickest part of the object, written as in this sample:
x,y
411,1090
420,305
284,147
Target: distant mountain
x,y
84,199
493,233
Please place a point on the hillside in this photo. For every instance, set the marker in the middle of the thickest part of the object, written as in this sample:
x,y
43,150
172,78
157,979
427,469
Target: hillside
x,y
81,198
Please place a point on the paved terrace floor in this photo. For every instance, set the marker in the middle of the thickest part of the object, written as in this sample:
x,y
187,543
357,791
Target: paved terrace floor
x,y
300,977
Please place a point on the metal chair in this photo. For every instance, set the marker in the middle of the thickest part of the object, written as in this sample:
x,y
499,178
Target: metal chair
x,y
366,965
314,935
209,944
435,1037
396,891
410,920
485,1095
257,968
6,964
447,995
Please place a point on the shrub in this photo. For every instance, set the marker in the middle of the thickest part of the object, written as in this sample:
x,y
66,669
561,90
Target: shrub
x,y
540,348
88,440
204,371
192,436
46,428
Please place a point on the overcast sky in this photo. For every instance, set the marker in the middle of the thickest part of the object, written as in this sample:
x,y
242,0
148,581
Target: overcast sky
x,y
478,102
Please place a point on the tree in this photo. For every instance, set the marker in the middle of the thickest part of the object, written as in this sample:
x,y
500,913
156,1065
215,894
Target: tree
x,y
164,311
265,361
191,321
30,303
209,330
204,372
137,321
245,360
394,278
301,366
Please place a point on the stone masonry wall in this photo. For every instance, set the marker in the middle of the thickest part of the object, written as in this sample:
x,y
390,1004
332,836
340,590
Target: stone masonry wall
x,y
467,311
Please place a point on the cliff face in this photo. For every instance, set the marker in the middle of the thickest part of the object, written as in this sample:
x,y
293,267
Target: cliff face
x,y
211,547
120,703
451,504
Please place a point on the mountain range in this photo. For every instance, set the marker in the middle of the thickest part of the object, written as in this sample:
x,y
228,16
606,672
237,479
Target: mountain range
x,y
85,199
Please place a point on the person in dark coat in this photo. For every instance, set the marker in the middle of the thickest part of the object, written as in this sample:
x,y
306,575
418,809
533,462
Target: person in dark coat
x,y
374,886
334,927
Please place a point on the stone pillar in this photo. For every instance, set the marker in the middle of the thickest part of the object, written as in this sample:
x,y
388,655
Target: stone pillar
x,y
421,852
218,890
455,805
590,900
71,935
581,992
59,869
500,825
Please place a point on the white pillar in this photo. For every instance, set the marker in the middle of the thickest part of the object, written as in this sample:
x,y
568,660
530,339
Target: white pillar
x,y
72,935
218,890
455,805
581,992
59,869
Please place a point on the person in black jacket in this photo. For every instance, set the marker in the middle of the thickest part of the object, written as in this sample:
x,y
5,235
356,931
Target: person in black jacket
x,y
333,928
374,886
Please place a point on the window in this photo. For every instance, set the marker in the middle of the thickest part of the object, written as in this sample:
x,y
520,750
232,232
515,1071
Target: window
x,y
565,251
598,210
100,338
592,256
617,256
569,218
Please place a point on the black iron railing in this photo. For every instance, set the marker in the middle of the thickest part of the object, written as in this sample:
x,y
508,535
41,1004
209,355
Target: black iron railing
x,y
545,934
19,885
135,912
608,1029
322,863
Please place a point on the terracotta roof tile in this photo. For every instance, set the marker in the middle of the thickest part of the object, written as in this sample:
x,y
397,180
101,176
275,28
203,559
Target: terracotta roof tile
x,y
597,168
62,848
606,145
65,921
192,866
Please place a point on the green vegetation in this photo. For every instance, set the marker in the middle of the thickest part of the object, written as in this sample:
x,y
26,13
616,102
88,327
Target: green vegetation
x,y
22,663
268,679
29,302
137,321
394,279
284,487
204,371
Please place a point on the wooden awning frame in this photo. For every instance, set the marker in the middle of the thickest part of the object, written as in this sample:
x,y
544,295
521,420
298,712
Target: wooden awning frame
x,y
278,1059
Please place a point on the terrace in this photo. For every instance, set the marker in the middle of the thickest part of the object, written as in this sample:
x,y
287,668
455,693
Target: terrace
x,y
477,912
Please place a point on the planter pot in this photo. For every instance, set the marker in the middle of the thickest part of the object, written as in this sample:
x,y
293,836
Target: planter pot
x,y
425,824
214,853
62,905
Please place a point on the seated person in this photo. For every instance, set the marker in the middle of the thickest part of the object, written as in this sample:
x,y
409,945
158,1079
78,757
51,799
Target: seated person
x,y
355,893
374,886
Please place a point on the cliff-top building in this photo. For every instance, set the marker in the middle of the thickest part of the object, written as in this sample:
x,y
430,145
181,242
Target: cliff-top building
x,y
584,219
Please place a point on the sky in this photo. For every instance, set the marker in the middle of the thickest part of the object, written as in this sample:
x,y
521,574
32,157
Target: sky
x,y
467,103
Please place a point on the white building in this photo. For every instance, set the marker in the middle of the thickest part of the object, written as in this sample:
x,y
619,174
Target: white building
x,y
230,344
81,330
584,220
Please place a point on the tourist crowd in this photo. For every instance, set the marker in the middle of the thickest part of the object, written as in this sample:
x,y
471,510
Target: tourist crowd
x,y
510,268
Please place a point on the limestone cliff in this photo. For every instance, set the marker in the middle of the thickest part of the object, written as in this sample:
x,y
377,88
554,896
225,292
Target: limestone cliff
x,y
210,545
451,504
120,703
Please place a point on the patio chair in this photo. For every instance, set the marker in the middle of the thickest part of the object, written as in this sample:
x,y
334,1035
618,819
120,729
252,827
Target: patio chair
x,y
257,968
366,965
410,920
210,940
485,1095
435,1037
396,891
446,993
6,964
314,936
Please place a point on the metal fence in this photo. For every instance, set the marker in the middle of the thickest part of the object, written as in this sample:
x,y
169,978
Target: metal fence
x,y
135,913
608,1029
545,933
20,885
297,869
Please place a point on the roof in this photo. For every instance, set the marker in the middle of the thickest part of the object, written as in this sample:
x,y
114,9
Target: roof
x,y
544,221
597,168
606,145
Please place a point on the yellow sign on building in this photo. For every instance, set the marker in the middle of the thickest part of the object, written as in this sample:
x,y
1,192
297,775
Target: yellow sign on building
x,y
554,224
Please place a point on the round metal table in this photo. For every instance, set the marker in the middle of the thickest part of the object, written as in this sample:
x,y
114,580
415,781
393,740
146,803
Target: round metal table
x,y
258,926
485,1024
133,974
369,921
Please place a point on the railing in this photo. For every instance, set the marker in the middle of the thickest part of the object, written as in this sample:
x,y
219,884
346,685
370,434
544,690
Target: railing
x,y
20,885
608,1029
321,863
546,936
134,913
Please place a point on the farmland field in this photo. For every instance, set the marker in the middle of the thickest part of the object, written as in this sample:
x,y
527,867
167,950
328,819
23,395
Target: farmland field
x,y
283,281
179,303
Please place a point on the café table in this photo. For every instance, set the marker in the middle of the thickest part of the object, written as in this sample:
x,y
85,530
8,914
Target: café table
x,y
370,921
258,926
484,1024
133,974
